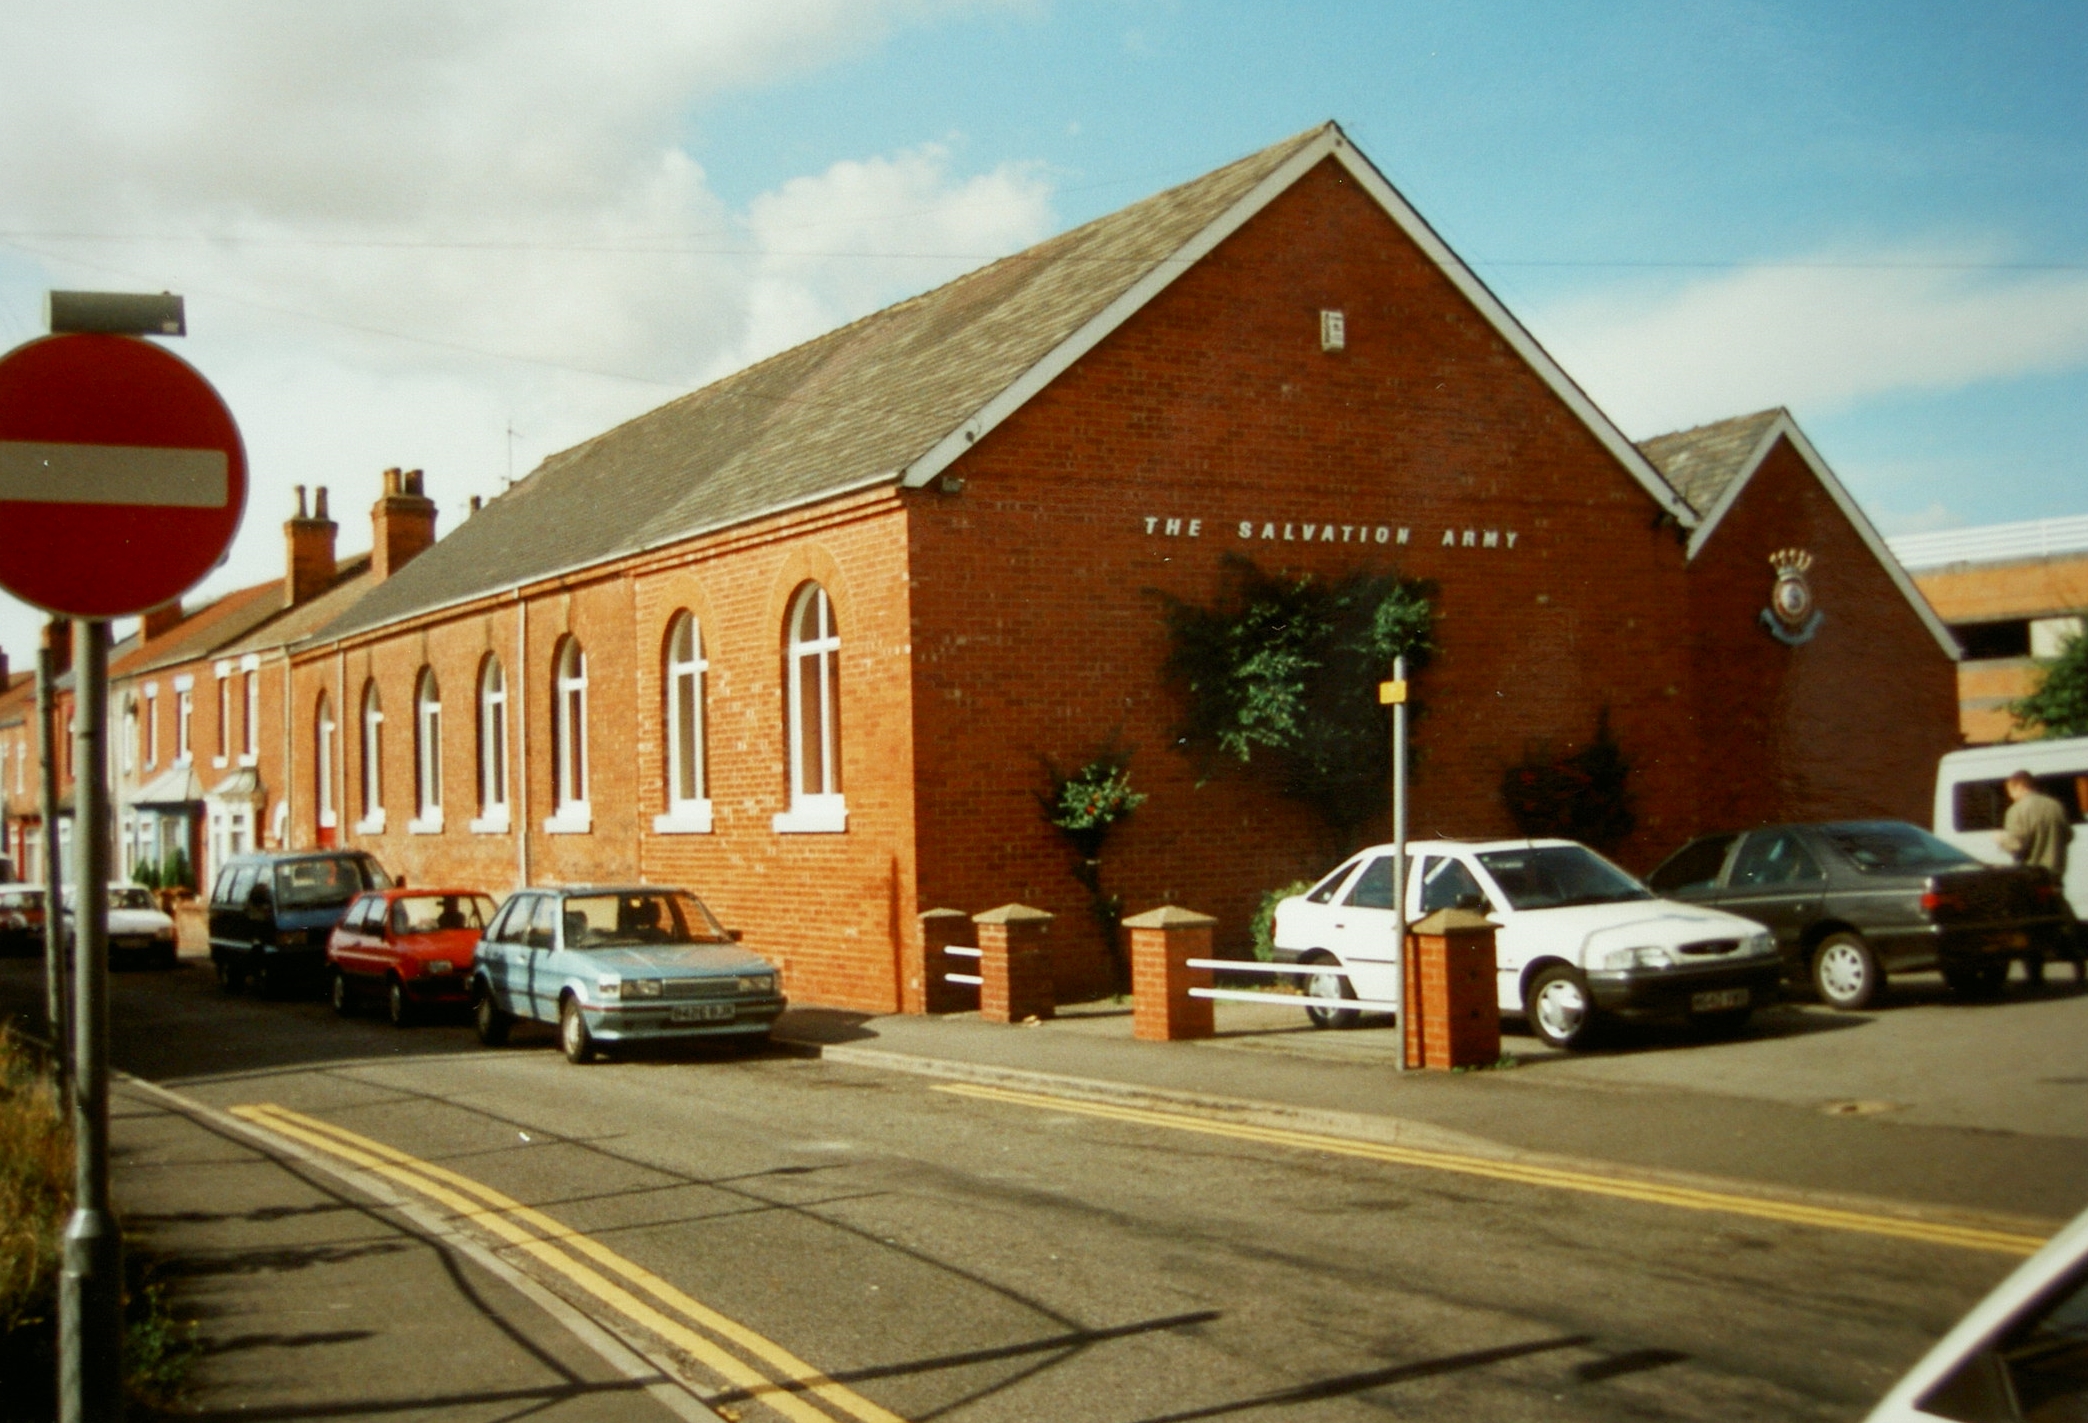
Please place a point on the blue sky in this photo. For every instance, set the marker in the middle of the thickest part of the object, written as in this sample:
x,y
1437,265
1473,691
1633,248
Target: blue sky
x,y
463,236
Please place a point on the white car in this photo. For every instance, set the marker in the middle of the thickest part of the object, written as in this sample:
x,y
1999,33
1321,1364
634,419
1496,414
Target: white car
x,y
137,928
2020,1356
1578,938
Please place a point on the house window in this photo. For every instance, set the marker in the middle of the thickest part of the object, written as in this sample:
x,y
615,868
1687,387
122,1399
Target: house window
x,y
813,658
427,754
492,748
224,719
372,760
249,724
569,741
151,728
323,763
130,734
184,724
688,803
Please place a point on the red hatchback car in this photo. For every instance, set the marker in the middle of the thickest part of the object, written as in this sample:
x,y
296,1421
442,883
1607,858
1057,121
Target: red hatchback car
x,y
412,947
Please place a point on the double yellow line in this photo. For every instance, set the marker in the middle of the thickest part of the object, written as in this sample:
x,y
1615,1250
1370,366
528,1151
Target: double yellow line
x,y
778,1378
1931,1232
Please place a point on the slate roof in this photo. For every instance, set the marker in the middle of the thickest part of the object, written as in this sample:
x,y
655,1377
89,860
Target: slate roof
x,y
203,631
351,581
1703,461
840,412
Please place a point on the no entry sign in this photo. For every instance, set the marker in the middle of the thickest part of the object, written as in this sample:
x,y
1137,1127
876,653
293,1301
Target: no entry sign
x,y
122,477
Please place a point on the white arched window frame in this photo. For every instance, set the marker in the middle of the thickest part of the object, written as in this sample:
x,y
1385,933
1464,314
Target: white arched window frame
x,y
224,716
571,813
250,715
492,750
812,686
688,789
130,734
372,822
427,755
323,763
151,727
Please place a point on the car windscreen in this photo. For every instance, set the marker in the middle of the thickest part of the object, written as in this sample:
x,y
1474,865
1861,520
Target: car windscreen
x,y
1554,876
431,913
131,899
322,883
636,918
1895,847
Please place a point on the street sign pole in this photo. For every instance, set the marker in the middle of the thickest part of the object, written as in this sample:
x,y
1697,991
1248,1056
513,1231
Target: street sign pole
x,y
1399,854
90,1300
57,994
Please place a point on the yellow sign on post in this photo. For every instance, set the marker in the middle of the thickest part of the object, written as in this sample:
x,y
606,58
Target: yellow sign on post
x,y
1392,693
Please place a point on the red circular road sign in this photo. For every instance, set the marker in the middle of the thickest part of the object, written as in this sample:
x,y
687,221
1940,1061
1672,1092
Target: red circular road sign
x,y
122,476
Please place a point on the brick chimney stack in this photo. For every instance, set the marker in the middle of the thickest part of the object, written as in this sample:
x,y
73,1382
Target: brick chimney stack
x,y
160,621
3,669
309,568
57,635
402,523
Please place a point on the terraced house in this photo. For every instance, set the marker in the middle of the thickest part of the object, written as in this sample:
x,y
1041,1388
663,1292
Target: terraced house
x,y
804,639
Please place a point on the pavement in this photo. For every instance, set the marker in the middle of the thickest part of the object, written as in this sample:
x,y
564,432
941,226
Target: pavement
x,y
1925,1106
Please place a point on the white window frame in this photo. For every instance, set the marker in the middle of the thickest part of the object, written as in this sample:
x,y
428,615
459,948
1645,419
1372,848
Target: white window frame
x,y
427,755
224,715
572,813
250,723
184,720
493,816
151,725
812,666
324,730
371,720
683,735
130,740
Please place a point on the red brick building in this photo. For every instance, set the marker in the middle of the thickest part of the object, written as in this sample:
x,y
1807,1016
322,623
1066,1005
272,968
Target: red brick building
x,y
803,639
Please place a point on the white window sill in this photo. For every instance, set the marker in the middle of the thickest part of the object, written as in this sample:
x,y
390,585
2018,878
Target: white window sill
x,y
328,820
425,825
689,817
371,824
249,758
571,820
219,762
813,815
490,824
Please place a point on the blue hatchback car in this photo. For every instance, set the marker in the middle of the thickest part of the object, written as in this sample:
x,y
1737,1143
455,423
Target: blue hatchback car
x,y
619,964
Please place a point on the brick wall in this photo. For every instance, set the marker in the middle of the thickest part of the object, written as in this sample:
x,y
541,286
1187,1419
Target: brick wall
x,y
1848,724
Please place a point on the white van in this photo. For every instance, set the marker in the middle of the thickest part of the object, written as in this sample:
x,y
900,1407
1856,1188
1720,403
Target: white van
x,y
1972,800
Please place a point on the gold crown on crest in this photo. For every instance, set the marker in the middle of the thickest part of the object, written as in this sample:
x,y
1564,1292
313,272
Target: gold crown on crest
x,y
1790,562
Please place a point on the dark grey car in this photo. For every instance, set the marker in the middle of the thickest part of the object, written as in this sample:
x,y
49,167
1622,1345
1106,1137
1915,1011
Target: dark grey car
x,y
1854,901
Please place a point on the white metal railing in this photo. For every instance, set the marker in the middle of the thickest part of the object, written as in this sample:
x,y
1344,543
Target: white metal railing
x,y
2031,538
1292,1000
970,980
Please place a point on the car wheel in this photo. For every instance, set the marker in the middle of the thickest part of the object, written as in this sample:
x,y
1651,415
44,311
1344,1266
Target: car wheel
x,y
1330,985
1560,1011
573,1036
492,1024
1846,973
397,1006
230,977
339,993
1727,1023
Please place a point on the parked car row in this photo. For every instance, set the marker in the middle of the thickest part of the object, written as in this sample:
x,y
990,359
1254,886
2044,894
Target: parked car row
x,y
1718,930
603,964
139,931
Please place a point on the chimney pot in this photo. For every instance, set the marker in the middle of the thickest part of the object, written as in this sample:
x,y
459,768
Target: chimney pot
x,y
476,503
157,622
319,505
300,501
402,523
308,566
3,669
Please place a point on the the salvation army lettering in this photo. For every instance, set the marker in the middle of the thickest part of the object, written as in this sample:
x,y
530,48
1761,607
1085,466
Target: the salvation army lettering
x,y
1299,531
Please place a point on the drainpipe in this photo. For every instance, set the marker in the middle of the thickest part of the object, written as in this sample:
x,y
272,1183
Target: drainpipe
x,y
518,703
289,761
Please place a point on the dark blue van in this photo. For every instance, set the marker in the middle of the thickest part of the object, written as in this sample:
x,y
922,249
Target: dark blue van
x,y
271,914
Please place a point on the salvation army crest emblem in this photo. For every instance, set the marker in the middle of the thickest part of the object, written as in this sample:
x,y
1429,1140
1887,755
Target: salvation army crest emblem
x,y
1791,617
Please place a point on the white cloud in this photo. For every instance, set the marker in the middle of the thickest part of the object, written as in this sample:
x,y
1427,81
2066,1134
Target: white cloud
x,y
402,227
1820,336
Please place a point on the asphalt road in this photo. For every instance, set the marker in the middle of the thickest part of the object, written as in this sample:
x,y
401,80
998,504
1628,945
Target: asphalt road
x,y
939,1254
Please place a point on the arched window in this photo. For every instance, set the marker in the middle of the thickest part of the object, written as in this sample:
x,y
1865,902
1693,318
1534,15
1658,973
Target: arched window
x,y
569,740
372,760
688,796
130,734
427,753
492,747
813,660
323,767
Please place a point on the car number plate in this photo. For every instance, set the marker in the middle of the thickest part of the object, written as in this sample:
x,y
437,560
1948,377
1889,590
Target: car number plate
x,y
1711,1000
2015,939
701,1013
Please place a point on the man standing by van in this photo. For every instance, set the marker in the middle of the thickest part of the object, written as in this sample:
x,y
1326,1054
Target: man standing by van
x,y
2036,833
